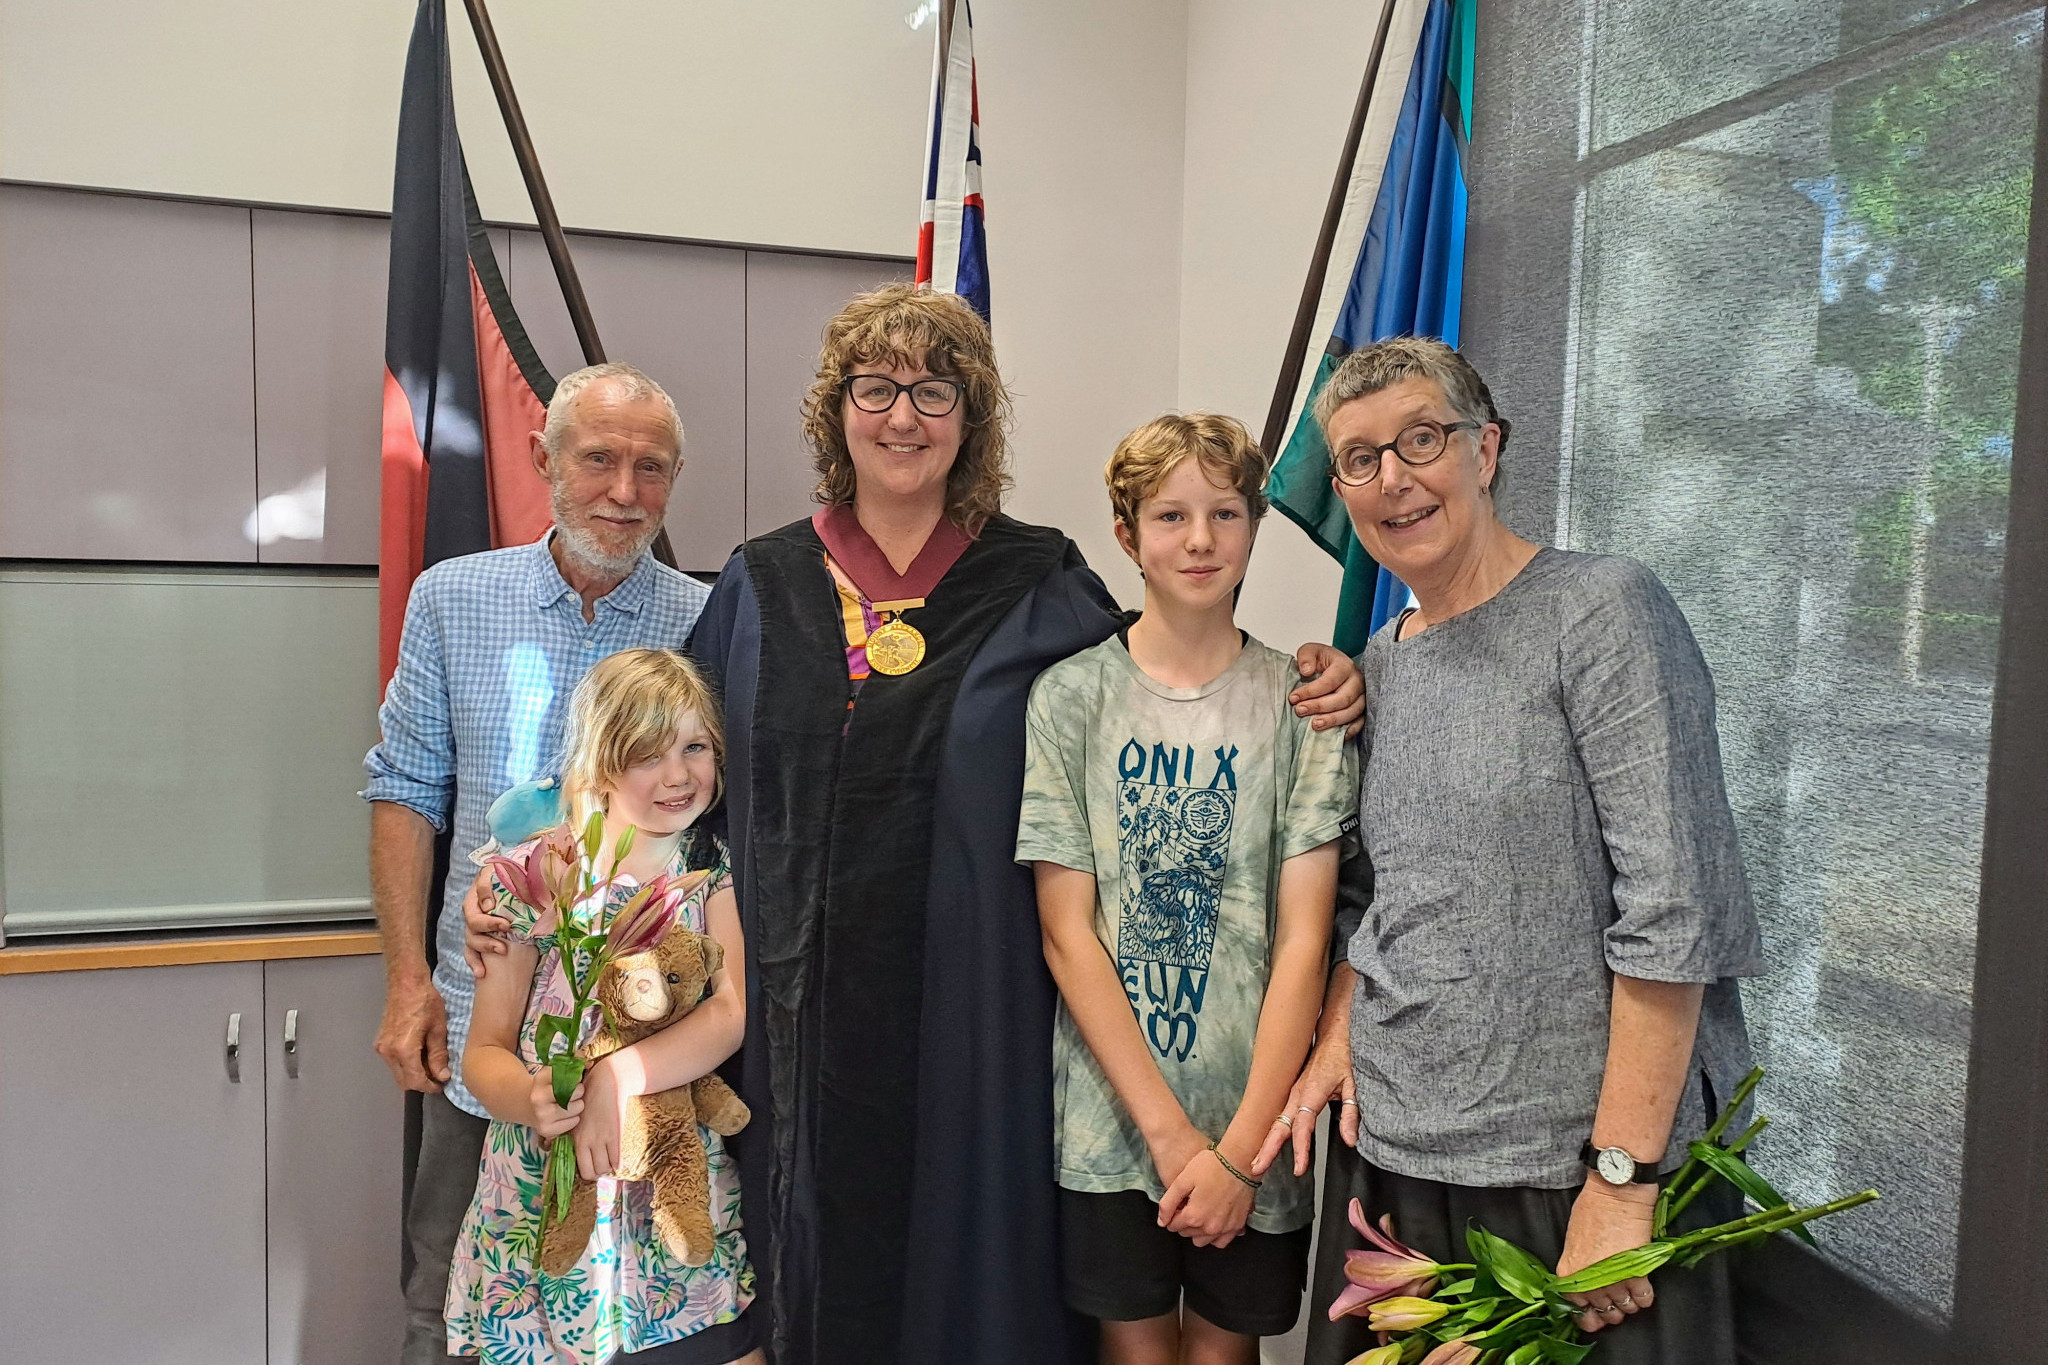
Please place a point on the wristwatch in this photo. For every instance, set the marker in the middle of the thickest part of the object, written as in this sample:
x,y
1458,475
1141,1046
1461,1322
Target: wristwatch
x,y
1615,1166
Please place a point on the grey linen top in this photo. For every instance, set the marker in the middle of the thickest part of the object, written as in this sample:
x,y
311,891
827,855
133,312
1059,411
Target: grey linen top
x,y
1543,804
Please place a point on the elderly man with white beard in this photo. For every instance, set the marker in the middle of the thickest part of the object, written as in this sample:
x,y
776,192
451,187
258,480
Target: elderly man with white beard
x,y
493,645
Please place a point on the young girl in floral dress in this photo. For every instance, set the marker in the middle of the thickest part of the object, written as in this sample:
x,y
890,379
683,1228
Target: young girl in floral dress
x,y
645,748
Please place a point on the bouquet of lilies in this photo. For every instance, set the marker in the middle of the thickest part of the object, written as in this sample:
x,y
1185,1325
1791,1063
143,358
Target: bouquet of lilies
x,y
1504,1307
560,873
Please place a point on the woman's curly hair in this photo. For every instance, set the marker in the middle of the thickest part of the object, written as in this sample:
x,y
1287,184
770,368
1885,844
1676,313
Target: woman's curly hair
x,y
901,324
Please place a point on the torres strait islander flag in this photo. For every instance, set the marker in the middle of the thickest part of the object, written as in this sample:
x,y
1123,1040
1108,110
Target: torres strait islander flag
x,y
952,250
1402,237
463,386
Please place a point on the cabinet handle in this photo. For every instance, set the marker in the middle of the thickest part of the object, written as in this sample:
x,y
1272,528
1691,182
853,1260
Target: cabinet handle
x,y
235,1048
291,1044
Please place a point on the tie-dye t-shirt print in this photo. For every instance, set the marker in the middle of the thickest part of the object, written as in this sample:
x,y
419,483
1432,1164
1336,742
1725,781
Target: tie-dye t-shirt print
x,y
1183,803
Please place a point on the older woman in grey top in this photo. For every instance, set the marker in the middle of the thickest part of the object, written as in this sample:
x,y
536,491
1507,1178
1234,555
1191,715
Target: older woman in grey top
x,y
1539,1007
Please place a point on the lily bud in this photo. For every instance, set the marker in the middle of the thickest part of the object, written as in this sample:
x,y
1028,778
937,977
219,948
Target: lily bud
x,y
1379,1355
1459,1352
1405,1314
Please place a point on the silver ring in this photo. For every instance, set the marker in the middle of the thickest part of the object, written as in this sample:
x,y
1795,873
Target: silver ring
x,y
1626,1301
1303,1109
1352,1103
1285,1119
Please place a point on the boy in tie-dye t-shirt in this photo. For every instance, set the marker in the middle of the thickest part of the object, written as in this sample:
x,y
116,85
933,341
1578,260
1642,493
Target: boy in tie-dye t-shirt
x,y
1185,829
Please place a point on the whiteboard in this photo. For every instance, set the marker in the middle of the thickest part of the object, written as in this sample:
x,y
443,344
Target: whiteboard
x,y
184,748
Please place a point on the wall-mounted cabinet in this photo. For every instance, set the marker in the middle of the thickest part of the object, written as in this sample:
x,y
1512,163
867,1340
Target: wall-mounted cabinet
x,y
790,298
202,382
678,312
127,390
318,281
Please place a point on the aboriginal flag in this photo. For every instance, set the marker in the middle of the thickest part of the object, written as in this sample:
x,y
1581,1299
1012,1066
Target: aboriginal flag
x,y
463,386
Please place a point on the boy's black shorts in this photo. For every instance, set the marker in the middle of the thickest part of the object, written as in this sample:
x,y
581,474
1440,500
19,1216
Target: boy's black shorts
x,y
1120,1265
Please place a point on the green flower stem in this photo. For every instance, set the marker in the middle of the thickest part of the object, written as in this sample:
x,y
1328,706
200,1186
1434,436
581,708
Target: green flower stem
x,y
1735,1102
1748,1135
1772,1220
1676,1203
1670,1203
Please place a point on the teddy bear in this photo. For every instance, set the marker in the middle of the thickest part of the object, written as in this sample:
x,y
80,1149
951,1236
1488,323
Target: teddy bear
x,y
645,993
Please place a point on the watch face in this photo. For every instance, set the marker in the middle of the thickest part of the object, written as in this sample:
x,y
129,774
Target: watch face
x,y
1616,1166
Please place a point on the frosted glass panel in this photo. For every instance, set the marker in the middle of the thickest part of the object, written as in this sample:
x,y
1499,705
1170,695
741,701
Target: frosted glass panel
x,y
1798,343
183,748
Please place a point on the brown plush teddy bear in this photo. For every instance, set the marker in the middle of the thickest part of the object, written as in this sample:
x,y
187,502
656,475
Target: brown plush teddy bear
x,y
645,994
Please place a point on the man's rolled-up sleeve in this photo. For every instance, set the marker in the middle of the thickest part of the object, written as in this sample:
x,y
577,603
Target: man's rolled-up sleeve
x,y
1641,705
413,764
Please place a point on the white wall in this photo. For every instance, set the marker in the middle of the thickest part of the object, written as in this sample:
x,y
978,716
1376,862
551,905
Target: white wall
x,y
1081,109
1271,84
719,119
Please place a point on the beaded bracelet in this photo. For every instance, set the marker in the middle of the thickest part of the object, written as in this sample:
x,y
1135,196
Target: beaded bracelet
x,y
1224,1162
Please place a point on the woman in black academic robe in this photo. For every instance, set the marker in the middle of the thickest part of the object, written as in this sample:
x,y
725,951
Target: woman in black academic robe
x,y
875,661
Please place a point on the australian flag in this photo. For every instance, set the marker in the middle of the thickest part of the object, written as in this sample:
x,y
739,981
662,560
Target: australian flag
x,y
952,247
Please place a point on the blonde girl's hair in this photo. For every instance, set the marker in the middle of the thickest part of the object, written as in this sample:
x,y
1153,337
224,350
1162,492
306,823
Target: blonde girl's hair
x,y
901,324
1228,455
626,712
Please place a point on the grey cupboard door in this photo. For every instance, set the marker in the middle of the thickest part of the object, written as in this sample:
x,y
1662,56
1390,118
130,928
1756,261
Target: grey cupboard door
x,y
320,282
127,398
336,1130
131,1167
678,312
790,298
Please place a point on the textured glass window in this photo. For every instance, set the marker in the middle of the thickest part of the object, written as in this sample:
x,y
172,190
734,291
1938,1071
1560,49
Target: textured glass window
x,y
1790,387
1652,61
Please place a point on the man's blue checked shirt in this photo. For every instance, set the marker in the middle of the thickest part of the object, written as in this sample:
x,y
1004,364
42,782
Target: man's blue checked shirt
x,y
494,643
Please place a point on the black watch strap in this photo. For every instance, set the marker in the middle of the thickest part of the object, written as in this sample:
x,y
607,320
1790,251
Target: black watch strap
x,y
1645,1173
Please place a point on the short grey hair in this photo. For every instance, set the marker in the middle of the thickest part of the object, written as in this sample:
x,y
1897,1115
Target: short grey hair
x,y
1386,363
562,407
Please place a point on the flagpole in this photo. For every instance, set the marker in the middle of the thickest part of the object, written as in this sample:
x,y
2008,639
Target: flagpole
x,y
945,53
536,185
1326,239
544,208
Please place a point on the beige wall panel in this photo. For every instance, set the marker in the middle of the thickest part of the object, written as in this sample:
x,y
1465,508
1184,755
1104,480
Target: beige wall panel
x,y
789,301
680,313
320,287
127,403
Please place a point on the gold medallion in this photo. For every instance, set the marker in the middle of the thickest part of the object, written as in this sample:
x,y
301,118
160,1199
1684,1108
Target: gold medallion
x,y
895,648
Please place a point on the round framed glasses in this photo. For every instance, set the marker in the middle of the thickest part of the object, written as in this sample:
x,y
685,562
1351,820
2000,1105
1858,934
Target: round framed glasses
x,y
877,393
1419,443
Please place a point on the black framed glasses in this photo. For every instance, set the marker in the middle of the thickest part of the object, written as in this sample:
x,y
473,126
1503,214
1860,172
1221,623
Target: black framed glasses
x,y
1419,443
877,393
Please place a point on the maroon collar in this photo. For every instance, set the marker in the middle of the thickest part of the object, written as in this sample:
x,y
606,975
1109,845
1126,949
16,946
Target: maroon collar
x,y
857,555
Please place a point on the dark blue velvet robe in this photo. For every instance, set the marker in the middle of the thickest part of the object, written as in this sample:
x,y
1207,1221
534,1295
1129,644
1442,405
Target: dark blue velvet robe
x,y
897,1178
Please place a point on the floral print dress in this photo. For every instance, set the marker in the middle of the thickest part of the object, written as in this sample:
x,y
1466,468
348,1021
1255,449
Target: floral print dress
x,y
627,1293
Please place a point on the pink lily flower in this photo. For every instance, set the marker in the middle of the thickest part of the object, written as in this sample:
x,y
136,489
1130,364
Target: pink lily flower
x,y
1404,1314
1393,1271
1459,1352
524,878
646,917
